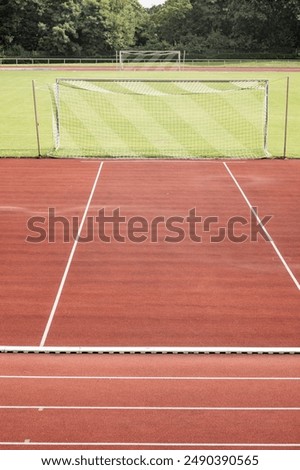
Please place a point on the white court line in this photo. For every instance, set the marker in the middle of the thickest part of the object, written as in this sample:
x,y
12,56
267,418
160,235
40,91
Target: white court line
x,y
148,350
149,444
101,377
65,274
159,160
148,408
288,269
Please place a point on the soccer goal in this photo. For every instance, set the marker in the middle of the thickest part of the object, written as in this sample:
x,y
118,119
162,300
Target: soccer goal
x,y
160,118
150,59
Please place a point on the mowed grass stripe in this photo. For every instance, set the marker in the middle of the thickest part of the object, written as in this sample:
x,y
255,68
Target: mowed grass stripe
x,y
138,127
211,135
133,123
239,136
149,139
177,133
20,84
16,130
253,116
212,126
98,134
153,122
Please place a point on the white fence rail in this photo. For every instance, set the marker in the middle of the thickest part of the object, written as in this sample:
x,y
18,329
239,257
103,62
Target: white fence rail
x,y
113,60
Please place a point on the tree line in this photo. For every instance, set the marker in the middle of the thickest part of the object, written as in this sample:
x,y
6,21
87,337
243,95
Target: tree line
x,y
94,28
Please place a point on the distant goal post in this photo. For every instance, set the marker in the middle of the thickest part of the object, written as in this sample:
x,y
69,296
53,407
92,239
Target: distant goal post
x,y
138,118
151,58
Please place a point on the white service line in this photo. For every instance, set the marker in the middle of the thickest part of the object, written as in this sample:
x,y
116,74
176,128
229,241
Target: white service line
x,y
101,377
148,350
66,271
148,408
152,161
276,249
149,444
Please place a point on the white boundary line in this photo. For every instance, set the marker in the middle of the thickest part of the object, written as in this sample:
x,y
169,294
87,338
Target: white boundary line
x,y
146,408
148,444
155,160
65,274
95,377
146,350
288,269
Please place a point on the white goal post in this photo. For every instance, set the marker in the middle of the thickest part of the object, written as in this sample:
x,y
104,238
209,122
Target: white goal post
x,y
140,57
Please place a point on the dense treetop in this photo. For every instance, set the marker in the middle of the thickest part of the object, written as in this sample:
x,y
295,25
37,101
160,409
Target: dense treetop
x,y
100,27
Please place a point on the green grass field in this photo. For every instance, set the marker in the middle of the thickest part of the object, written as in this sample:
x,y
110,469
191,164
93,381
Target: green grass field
x,y
17,124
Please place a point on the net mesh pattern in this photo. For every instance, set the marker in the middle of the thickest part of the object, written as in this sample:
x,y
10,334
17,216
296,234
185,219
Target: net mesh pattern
x,y
160,119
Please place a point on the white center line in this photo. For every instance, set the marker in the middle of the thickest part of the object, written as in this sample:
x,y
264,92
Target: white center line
x,y
99,377
65,274
152,444
150,408
276,249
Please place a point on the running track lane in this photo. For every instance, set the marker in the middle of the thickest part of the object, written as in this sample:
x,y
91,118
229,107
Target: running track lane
x,y
149,402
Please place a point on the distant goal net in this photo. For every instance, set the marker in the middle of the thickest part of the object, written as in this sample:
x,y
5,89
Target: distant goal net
x,y
160,118
149,59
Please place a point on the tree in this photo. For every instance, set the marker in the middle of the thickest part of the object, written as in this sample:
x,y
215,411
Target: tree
x,y
168,20
122,22
207,25
264,25
92,27
9,22
30,14
58,28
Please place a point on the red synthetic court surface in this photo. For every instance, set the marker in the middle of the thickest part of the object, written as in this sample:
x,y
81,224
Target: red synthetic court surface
x,y
154,293
149,402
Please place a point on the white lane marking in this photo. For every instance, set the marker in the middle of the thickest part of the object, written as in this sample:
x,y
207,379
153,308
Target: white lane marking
x,y
65,274
148,350
152,444
99,377
149,408
276,249
152,161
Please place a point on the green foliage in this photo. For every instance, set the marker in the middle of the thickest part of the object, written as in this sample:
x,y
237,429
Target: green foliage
x,y
121,23
168,22
97,27
92,27
59,27
9,22
264,25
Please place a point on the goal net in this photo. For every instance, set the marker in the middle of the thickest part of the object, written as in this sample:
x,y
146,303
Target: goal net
x,y
150,59
160,118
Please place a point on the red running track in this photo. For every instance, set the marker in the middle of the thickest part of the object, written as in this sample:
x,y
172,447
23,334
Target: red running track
x,y
154,293
149,402
220,294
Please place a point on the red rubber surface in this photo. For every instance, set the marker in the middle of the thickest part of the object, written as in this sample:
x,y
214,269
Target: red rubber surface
x,y
150,294
186,294
152,381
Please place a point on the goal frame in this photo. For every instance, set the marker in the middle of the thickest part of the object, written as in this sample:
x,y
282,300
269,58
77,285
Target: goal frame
x,y
56,114
150,54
